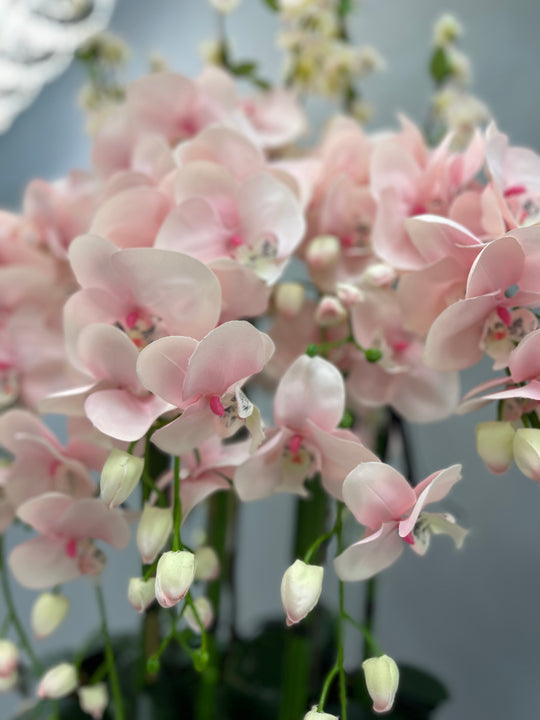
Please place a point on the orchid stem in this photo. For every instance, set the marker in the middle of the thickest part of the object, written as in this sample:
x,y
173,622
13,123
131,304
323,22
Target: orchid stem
x,y
109,657
37,667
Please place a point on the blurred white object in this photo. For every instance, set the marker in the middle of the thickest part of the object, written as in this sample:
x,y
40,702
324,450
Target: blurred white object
x,y
37,41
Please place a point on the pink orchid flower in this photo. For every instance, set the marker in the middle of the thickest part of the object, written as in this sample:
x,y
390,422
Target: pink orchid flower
x,y
503,277
65,549
308,407
393,513
41,463
204,380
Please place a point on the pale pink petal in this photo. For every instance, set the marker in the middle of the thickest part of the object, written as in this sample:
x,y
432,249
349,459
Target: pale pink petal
x,y
44,512
123,415
89,256
194,228
339,456
91,518
187,432
498,266
108,354
376,493
244,293
369,556
436,237
268,206
226,356
262,474
432,489
179,289
524,361
131,218
43,562
17,424
162,367
195,491
453,341
311,389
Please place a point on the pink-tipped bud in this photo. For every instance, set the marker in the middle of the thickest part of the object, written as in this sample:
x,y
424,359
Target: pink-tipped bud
x,y
154,529
207,566
48,612
59,681
323,252
205,613
330,312
494,444
119,477
93,699
289,298
300,590
379,275
382,679
9,658
141,592
349,295
174,575
314,714
527,452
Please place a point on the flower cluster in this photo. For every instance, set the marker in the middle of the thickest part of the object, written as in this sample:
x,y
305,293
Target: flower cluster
x,y
131,298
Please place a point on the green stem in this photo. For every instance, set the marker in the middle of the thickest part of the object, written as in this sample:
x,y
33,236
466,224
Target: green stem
x,y
374,647
326,687
369,612
37,667
109,657
177,507
340,628
299,656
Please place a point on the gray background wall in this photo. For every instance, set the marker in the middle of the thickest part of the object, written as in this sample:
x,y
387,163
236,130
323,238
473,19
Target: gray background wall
x,y
472,616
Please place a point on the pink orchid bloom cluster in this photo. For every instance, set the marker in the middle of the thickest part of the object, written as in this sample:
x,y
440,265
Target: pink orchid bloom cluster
x,y
131,298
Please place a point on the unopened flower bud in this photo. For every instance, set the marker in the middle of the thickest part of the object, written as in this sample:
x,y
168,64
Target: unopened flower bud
x,y
9,658
59,681
289,298
119,477
205,613
207,565
155,526
48,612
93,699
527,452
174,575
141,593
323,252
494,443
349,295
9,681
446,30
379,275
225,6
314,714
382,678
330,312
300,590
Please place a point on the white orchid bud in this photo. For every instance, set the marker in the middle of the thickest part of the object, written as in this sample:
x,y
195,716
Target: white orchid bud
x,y
48,612
314,714
9,658
207,566
323,252
141,593
495,445
174,575
382,678
9,681
300,590
225,6
154,529
330,312
119,477
93,699
379,275
527,452
59,681
205,613
349,295
289,298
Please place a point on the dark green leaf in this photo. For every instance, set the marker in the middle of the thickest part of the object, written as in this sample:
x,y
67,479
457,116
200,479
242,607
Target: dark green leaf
x,y
345,7
272,4
243,68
